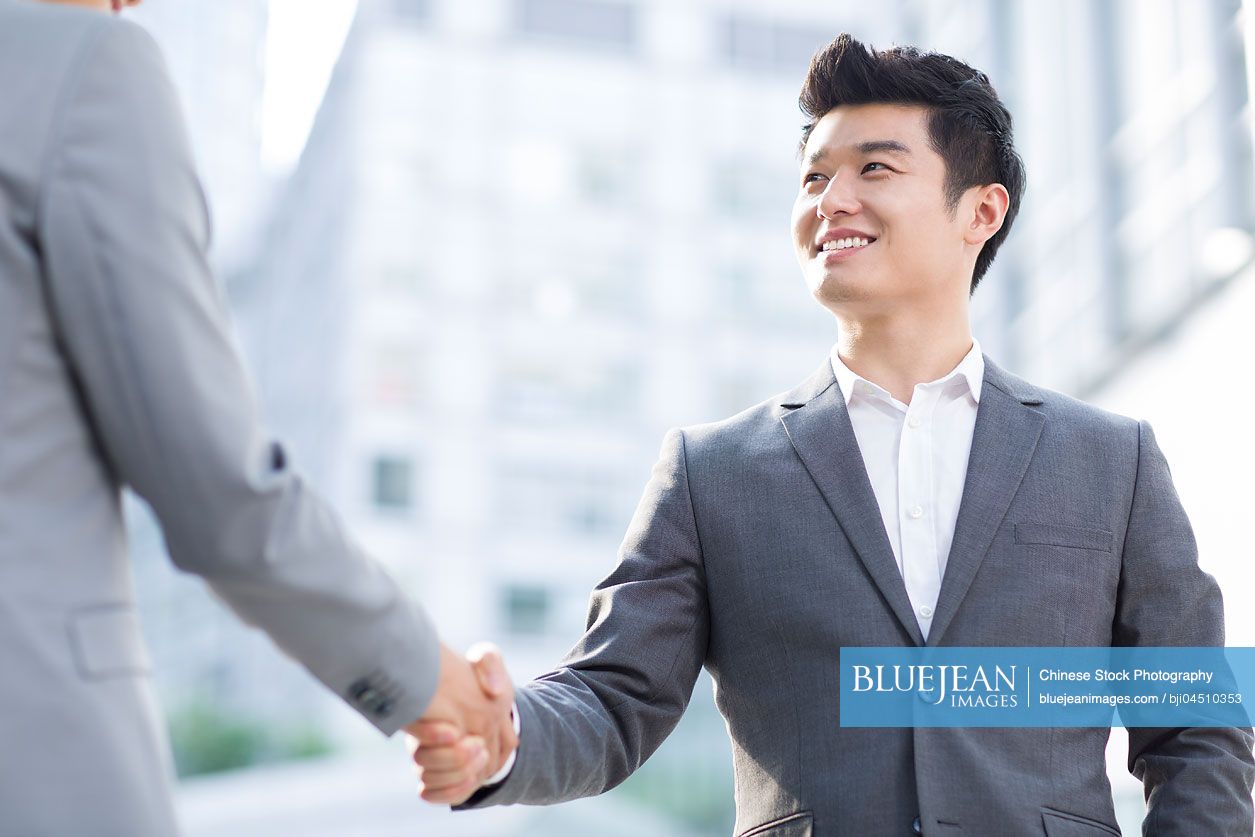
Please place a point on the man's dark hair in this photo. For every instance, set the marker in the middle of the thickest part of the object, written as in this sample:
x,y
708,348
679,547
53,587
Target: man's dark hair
x,y
968,125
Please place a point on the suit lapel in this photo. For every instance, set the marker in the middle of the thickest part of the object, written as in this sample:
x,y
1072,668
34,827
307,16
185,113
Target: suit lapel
x,y
818,425
1003,442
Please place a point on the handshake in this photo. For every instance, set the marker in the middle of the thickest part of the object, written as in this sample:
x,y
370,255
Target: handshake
x,y
467,733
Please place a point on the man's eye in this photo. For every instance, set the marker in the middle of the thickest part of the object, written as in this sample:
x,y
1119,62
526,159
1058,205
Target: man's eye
x,y
868,167
813,177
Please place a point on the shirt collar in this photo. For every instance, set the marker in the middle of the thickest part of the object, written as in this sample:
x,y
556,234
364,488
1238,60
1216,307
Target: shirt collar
x,y
971,369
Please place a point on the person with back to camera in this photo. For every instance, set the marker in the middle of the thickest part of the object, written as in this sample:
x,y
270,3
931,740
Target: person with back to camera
x,y
117,369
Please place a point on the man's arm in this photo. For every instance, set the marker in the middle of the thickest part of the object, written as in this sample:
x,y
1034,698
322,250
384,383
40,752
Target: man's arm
x,y
1197,780
123,231
586,726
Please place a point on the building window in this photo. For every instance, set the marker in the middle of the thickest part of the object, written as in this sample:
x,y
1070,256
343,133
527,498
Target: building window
x,y
393,483
527,609
602,24
412,11
774,47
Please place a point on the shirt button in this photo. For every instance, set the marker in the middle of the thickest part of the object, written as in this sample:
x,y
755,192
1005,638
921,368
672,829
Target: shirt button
x,y
913,421
926,611
916,512
915,827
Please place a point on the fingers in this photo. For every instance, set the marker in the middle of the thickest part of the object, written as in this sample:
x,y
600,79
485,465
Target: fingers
x,y
446,766
434,733
449,796
485,658
450,774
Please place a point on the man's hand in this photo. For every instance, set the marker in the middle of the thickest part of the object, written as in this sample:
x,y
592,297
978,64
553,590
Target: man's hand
x,y
466,734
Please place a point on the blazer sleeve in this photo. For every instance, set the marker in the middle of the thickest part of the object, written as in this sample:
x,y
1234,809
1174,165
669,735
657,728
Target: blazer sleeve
x,y
1197,780
590,723
123,231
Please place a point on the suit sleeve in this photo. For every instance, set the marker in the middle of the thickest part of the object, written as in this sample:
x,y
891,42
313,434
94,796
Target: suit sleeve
x,y
123,230
1197,780
589,724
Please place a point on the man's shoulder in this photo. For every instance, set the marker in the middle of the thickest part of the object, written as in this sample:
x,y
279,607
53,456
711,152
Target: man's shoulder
x,y
748,422
42,35
756,428
47,50
1066,412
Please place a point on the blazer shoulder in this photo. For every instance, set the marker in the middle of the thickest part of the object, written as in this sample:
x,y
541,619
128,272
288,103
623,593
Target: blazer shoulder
x,y
48,52
1066,412
753,430
47,37
757,430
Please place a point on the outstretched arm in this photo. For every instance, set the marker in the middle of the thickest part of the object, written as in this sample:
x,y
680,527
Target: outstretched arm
x,y
123,230
587,725
1197,780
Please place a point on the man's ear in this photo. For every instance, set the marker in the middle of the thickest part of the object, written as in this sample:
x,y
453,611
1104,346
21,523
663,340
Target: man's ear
x,y
988,211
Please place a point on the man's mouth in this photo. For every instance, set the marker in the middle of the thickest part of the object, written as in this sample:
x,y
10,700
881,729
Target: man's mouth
x,y
852,243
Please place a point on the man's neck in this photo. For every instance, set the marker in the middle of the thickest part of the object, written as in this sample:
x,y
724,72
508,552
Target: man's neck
x,y
899,352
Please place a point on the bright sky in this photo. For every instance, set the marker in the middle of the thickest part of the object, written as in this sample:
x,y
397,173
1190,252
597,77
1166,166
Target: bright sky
x,y
303,41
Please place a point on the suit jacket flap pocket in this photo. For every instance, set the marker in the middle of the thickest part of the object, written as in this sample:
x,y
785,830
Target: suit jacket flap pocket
x,y
107,641
794,825
1059,824
1050,534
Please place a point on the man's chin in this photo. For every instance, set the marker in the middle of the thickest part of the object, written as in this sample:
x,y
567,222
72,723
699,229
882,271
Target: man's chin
x,y
829,290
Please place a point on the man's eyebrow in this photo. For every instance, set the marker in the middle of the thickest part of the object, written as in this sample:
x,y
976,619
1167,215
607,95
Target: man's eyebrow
x,y
884,146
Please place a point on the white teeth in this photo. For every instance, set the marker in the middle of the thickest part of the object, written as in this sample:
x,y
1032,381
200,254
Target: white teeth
x,y
845,243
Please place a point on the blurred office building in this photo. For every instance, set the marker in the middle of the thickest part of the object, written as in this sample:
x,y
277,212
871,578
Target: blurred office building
x,y
525,237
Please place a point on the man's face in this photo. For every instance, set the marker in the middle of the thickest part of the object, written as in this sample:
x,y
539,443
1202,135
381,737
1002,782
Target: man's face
x,y
869,174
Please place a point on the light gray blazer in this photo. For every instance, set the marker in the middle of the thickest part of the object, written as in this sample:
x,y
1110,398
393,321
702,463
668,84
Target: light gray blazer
x,y
758,551
116,368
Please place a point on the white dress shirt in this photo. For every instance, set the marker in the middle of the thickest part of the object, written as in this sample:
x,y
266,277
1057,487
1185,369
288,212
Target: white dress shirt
x,y
916,460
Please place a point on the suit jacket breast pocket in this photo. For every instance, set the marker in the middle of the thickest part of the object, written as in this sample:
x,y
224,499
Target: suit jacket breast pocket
x,y
794,825
1053,534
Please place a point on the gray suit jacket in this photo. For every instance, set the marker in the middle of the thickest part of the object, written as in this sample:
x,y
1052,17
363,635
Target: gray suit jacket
x,y
758,551
116,368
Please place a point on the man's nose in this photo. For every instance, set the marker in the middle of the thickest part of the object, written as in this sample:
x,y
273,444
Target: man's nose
x,y
838,198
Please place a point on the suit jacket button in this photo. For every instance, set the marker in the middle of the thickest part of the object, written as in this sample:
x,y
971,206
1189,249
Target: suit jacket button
x,y
915,827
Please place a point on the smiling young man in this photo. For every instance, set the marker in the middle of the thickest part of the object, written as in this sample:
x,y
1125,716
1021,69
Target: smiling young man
x,y
888,235
909,492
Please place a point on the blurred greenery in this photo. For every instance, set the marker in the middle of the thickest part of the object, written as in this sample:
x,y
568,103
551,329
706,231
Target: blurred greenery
x,y
207,738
